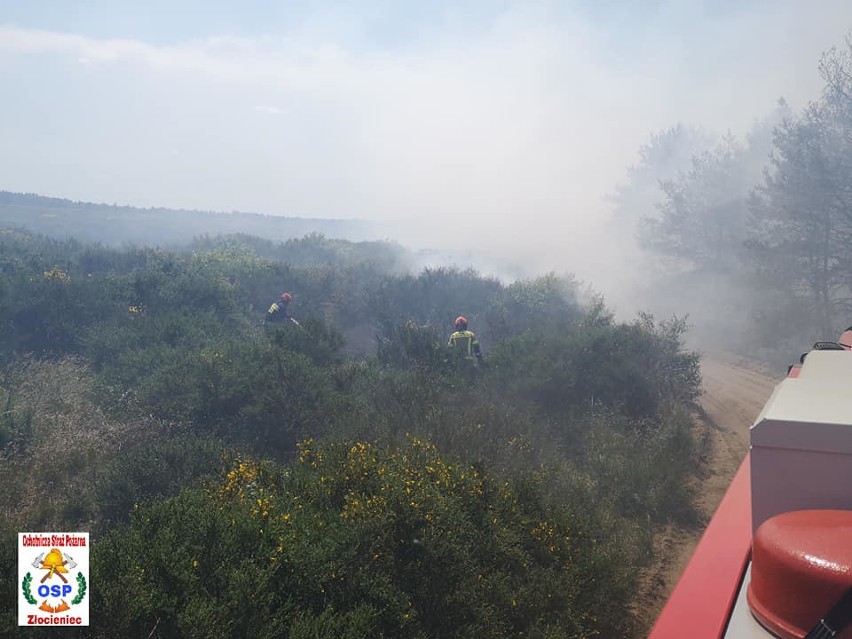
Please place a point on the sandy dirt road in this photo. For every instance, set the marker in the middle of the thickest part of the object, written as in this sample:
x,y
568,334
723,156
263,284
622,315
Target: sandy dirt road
x,y
734,394
735,391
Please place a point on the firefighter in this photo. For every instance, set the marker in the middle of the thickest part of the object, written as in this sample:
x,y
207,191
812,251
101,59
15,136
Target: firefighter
x,y
464,341
278,310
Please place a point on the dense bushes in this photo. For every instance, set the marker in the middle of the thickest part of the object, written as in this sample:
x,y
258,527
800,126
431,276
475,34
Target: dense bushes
x,y
433,496
160,467
354,537
635,367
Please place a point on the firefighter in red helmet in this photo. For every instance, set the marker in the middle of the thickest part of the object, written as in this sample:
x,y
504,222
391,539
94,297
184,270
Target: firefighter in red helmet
x,y
464,341
278,310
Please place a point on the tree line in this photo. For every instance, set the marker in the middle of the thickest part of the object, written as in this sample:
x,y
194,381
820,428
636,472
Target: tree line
x,y
755,233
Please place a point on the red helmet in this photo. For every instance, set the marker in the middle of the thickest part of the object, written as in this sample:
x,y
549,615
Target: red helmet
x,y
286,297
461,323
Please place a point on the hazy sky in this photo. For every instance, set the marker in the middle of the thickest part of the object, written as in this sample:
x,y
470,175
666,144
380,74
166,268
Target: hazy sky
x,y
495,123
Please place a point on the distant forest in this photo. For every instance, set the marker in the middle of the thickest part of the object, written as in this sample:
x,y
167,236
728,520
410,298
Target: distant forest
x,y
117,225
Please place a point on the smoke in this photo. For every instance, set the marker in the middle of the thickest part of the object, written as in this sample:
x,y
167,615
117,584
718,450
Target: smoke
x,y
498,133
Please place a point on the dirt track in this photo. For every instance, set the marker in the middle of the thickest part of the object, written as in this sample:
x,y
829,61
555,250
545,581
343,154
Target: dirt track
x,y
733,396
734,393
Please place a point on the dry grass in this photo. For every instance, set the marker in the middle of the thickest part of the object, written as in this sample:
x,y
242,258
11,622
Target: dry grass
x,y
45,473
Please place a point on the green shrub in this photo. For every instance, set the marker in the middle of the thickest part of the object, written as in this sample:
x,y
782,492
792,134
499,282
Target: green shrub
x,y
153,469
312,338
642,472
632,367
354,537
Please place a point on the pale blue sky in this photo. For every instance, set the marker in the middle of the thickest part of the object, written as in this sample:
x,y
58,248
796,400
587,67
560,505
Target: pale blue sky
x,y
367,23
361,24
518,116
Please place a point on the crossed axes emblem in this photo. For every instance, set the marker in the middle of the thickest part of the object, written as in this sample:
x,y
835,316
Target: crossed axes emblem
x,y
54,563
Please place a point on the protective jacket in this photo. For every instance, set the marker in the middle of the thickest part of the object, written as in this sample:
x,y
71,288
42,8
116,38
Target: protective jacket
x,y
277,312
465,342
